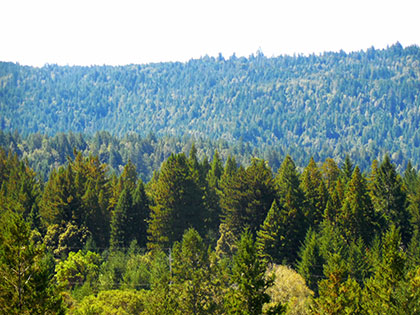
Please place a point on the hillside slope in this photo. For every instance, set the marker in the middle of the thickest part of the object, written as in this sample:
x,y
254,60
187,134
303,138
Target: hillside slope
x,y
363,103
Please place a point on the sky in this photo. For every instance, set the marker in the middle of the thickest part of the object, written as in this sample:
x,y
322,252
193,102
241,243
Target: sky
x,y
119,32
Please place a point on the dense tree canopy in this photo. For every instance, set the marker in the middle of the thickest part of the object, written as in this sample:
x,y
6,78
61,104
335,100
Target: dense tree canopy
x,y
363,103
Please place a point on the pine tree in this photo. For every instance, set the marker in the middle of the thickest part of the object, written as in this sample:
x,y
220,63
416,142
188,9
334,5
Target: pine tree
x,y
246,196
268,241
191,275
390,199
178,203
347,169
356,218
330,173
212,198
140,214
311,261
247,294
338,293
316,194
380,294
121,222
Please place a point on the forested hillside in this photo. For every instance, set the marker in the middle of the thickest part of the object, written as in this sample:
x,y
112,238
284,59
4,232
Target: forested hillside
x,y
362,103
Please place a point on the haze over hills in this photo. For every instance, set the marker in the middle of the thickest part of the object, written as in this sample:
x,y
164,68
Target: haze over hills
x,y
363,103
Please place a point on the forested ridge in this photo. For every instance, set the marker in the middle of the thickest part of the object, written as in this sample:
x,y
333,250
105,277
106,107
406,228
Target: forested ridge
x,y
205,236
362,103
283,185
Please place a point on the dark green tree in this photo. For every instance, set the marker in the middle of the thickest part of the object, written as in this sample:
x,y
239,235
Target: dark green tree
x,y
315,192
121,221
139,212
291,201
247,294
310,265
356,218
178,203
390,199
246,196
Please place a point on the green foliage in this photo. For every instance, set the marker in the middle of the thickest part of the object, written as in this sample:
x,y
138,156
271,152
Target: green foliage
x,y
389,199
26,286
380,294
79,193
120,220
61,240
316,194
178,203
357,217
311,260
192,276
246,196
362,103
112,302
288,291
247,294
79,269
292,224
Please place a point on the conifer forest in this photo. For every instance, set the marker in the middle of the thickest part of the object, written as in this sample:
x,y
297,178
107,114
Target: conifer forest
x,y
282,185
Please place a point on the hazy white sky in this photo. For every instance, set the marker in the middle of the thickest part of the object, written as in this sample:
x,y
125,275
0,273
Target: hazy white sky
x,y
86,32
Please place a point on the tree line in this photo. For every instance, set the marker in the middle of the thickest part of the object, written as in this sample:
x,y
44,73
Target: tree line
x,y
204,236
363,103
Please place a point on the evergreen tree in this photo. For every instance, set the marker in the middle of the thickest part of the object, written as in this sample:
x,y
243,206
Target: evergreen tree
x,y
356,218
390,199
139,214
191,275
249,283
338,293
330,173
212,198
316,195
121,221
247,196
178,203
311,261
380,295
26,286
269,241
347,169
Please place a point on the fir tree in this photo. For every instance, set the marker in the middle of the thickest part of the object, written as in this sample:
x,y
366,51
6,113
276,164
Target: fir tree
x,y
120,221
249,282
390,199
178,203
316,195
356,218
380,295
